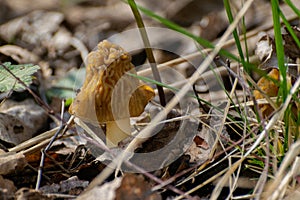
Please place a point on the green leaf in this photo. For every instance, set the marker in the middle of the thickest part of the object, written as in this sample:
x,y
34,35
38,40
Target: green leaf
x,y
23,72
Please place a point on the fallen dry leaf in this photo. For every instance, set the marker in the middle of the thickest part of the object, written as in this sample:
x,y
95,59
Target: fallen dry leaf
x,y
19,121
34,28
265,50
291,49
12,130
200,142
19,54
10,163
135,187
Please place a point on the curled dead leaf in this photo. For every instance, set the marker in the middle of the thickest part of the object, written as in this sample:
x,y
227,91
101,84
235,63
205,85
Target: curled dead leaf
x,y
19,54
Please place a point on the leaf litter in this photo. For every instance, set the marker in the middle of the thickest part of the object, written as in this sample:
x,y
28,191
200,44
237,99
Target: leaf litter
x,y
58,39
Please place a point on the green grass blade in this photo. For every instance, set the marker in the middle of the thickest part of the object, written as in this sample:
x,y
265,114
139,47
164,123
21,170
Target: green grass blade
x,y
279,48
149,52
235,34
290,29
293,7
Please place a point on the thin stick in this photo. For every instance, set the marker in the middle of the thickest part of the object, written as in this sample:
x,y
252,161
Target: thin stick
x,y
33,141
62,129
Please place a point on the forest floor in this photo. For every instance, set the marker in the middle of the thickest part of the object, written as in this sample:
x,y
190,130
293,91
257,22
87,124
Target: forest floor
x,y
220,119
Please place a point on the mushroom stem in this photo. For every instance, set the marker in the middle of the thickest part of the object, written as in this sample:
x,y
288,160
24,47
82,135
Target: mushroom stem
x,y
116,131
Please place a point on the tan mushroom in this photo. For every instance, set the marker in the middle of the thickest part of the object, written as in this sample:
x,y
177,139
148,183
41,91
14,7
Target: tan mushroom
x,y
109,94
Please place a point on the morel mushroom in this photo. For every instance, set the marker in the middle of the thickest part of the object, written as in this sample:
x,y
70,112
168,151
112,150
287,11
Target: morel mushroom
x,y
109,94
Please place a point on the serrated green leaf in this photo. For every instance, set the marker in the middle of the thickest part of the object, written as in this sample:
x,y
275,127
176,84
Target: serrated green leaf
x,y
23,72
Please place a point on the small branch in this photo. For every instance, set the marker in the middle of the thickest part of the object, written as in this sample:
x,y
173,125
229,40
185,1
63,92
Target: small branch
x,y
62,129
